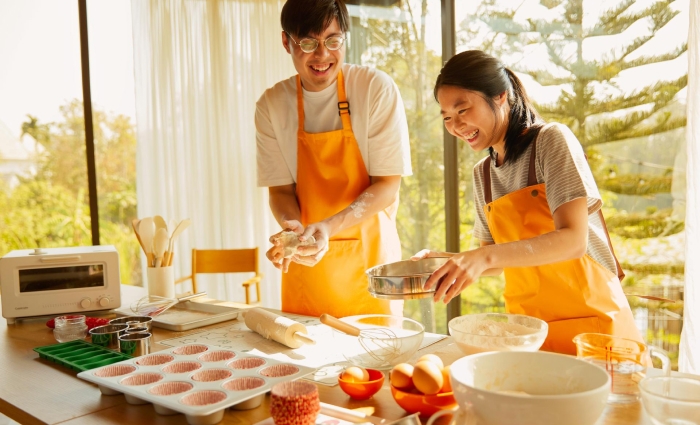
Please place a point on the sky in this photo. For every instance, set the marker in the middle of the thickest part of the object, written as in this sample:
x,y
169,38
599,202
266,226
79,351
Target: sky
x,y
40,66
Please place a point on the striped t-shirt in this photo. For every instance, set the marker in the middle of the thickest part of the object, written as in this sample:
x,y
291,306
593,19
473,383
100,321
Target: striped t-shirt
x,y
561,164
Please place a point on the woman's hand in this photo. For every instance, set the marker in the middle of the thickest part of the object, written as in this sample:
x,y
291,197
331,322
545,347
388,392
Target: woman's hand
x,y
456,274
276,253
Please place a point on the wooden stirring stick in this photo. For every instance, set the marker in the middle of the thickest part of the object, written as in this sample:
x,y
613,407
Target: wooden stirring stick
x,y
135,224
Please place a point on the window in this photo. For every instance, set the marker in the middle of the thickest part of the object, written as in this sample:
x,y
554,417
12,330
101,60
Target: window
x,y
113,106
616,74
403,39
43,184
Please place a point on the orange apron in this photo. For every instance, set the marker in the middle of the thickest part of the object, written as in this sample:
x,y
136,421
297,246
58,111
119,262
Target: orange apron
x,y
331,174
572,296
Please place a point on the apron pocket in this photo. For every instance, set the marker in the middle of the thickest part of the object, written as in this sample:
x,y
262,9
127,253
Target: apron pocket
x,y
345,248
561,333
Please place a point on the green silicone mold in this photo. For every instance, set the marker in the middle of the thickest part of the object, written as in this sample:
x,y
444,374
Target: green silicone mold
x,y
80,355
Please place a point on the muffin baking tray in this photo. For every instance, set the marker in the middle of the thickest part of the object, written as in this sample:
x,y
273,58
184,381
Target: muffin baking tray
x,y
80,355
198,380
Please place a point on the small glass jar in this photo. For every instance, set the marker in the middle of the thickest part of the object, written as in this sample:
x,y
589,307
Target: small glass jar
x,y
69,328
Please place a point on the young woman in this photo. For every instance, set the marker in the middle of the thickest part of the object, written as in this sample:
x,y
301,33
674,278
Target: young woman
x,y
537,209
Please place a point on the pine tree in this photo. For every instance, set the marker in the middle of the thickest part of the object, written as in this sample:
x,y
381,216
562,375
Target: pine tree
x,y
630,137
591,102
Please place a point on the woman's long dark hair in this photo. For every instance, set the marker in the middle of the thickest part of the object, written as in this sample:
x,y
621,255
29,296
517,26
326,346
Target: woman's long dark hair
x,y
479,72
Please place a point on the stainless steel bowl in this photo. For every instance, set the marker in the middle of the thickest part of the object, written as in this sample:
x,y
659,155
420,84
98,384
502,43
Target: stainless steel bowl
x,y
140,321
403,280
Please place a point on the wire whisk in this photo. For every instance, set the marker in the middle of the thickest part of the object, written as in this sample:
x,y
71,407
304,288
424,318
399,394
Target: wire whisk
x,y
382,344
153,305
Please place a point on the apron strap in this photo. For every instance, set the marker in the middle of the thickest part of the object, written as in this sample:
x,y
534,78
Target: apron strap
x,y
486,170
300,105
620,273
343,104
531,174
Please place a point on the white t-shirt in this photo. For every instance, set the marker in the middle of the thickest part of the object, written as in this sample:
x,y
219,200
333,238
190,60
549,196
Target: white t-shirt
x,y
376,112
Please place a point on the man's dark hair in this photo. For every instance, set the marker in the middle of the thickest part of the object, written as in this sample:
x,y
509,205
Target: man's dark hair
x,y
310,17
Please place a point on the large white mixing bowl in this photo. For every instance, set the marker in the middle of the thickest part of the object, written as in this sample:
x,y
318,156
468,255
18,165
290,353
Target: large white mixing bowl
x,y
530,388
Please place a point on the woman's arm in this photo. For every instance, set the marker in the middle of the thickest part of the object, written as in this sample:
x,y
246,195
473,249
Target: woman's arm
x,y
569,240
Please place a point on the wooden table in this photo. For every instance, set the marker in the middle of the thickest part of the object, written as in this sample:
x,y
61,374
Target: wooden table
x,y
36,391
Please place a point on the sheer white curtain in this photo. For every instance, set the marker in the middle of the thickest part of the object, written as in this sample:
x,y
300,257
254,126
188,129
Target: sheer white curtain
x,y
689,358
200,66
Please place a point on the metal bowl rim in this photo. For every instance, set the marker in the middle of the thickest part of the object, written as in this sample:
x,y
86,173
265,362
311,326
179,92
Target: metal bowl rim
x,y
368,271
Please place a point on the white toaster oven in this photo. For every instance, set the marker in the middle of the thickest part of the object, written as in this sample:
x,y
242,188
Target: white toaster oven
x,y
53,281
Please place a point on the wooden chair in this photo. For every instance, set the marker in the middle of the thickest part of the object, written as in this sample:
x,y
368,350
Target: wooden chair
x,y
226,261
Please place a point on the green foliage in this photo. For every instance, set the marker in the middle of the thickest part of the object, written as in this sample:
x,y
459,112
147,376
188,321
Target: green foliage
x,y
636,184
645,225
51,208
41,214
590,102
399,49
484,296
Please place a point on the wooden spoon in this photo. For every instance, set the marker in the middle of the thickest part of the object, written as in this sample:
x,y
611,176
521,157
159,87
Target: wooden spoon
x,y
160,244
147,231
135,224
181,226
160,223
334,323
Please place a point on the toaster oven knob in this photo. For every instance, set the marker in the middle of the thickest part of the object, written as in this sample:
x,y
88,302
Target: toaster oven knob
x,y
85,302
104,301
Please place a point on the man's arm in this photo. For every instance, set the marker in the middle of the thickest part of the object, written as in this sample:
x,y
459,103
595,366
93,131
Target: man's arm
x,y
284,204
381,193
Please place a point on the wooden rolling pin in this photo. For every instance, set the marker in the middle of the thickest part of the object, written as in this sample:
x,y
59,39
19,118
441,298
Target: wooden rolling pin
x,y
279,328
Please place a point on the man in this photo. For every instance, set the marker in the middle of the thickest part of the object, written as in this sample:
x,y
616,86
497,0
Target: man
x,y
332,145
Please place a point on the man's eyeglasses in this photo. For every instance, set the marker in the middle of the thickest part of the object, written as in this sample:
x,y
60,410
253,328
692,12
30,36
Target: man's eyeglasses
x,y
309,45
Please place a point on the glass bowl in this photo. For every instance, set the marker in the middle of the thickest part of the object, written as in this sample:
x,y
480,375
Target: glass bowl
x,y
481,333
671,400
384,341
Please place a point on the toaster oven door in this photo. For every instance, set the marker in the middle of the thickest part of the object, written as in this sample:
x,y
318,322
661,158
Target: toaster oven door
x,y
61,278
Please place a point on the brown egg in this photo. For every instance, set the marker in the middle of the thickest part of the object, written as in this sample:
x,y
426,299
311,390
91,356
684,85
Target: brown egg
x,y
401,376
355,374
432,358
446,384
427,377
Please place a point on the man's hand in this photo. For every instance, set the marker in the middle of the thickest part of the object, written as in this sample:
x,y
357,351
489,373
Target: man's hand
x,y
310,255
276,253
